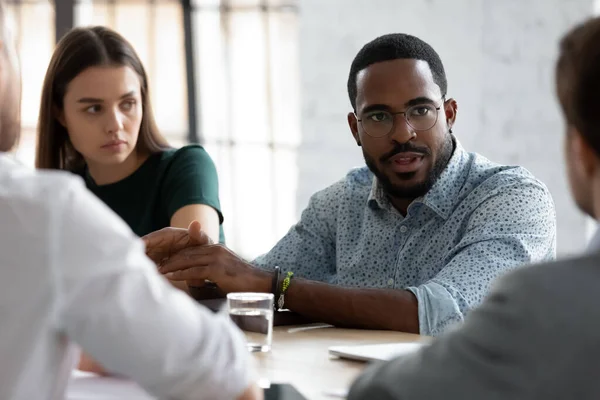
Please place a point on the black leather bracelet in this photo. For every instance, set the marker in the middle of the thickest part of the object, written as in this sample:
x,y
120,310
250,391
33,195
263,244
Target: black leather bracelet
x,y
275,286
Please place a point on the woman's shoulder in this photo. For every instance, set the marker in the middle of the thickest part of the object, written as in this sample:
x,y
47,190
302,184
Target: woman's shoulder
x,y
188,176
191,159
190,152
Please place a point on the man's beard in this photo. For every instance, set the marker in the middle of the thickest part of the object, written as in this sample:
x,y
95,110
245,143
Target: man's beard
x,y
419,189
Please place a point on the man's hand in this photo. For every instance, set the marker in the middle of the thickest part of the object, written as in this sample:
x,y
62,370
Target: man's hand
x,y
88,364
162,244
217,264
253,392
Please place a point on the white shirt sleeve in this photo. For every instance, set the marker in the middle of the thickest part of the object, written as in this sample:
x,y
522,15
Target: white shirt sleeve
x,y
115,305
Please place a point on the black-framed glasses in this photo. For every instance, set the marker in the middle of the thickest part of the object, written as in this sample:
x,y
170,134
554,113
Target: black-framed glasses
x,y
379,123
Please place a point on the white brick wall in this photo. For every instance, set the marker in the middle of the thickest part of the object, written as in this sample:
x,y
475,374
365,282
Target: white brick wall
x,y
499,58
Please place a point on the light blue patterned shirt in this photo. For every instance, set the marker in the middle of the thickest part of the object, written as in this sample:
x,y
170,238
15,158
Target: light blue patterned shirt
x,y
478,221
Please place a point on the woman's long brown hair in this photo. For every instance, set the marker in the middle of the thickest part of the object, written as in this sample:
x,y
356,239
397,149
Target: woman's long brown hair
x,y
78,50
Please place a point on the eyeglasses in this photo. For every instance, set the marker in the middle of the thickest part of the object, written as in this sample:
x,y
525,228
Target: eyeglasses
x,y
420,117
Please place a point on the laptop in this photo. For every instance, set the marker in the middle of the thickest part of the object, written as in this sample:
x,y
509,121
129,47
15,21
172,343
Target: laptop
x,y
282,392
376,352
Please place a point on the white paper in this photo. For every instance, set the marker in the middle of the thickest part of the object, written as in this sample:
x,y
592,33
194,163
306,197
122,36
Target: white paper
x,y
337,393
88,386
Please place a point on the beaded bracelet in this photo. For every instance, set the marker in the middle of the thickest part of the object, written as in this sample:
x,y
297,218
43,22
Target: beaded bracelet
x,y
284,287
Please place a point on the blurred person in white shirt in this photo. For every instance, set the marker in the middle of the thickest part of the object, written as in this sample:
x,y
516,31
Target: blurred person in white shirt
x,y
75,275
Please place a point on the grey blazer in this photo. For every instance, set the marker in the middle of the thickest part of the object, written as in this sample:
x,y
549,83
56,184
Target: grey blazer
x,y
536,336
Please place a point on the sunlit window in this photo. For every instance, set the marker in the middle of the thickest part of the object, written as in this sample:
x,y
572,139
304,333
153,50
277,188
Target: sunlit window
x,y
34,32
247,57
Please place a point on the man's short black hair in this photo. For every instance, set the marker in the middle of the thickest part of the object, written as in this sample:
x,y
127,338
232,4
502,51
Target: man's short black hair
x,y
396,46
578,80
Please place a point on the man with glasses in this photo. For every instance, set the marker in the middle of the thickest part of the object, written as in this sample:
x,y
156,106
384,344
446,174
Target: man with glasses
x,y
412,241
536,334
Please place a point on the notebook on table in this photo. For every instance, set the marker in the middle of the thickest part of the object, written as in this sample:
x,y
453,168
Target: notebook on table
x,y
89,386
375,352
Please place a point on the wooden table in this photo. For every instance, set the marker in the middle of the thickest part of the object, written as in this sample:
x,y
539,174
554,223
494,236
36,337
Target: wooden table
x,y
299,356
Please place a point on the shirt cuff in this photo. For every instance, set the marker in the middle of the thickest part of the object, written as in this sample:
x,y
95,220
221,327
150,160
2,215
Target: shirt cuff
x,y
235,374
438,310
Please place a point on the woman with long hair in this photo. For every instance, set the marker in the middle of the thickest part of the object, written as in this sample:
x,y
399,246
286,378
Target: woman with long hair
x,y
96,121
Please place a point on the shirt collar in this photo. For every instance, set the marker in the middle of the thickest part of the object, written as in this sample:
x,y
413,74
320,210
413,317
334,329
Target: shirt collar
x,y
442,196
377,198
594,244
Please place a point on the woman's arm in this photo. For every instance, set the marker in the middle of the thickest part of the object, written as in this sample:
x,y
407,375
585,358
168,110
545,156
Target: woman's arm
x,y
206,215
209,220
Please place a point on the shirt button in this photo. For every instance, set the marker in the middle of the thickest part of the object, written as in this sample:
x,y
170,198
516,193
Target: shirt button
x,y
403,229
390,282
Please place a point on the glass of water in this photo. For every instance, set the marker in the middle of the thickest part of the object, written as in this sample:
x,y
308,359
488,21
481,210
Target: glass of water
x,y
253,314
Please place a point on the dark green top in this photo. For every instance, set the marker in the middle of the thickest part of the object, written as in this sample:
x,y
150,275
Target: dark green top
x,y
165,182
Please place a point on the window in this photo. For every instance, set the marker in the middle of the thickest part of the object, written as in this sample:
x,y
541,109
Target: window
x,y
250,121
33,30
